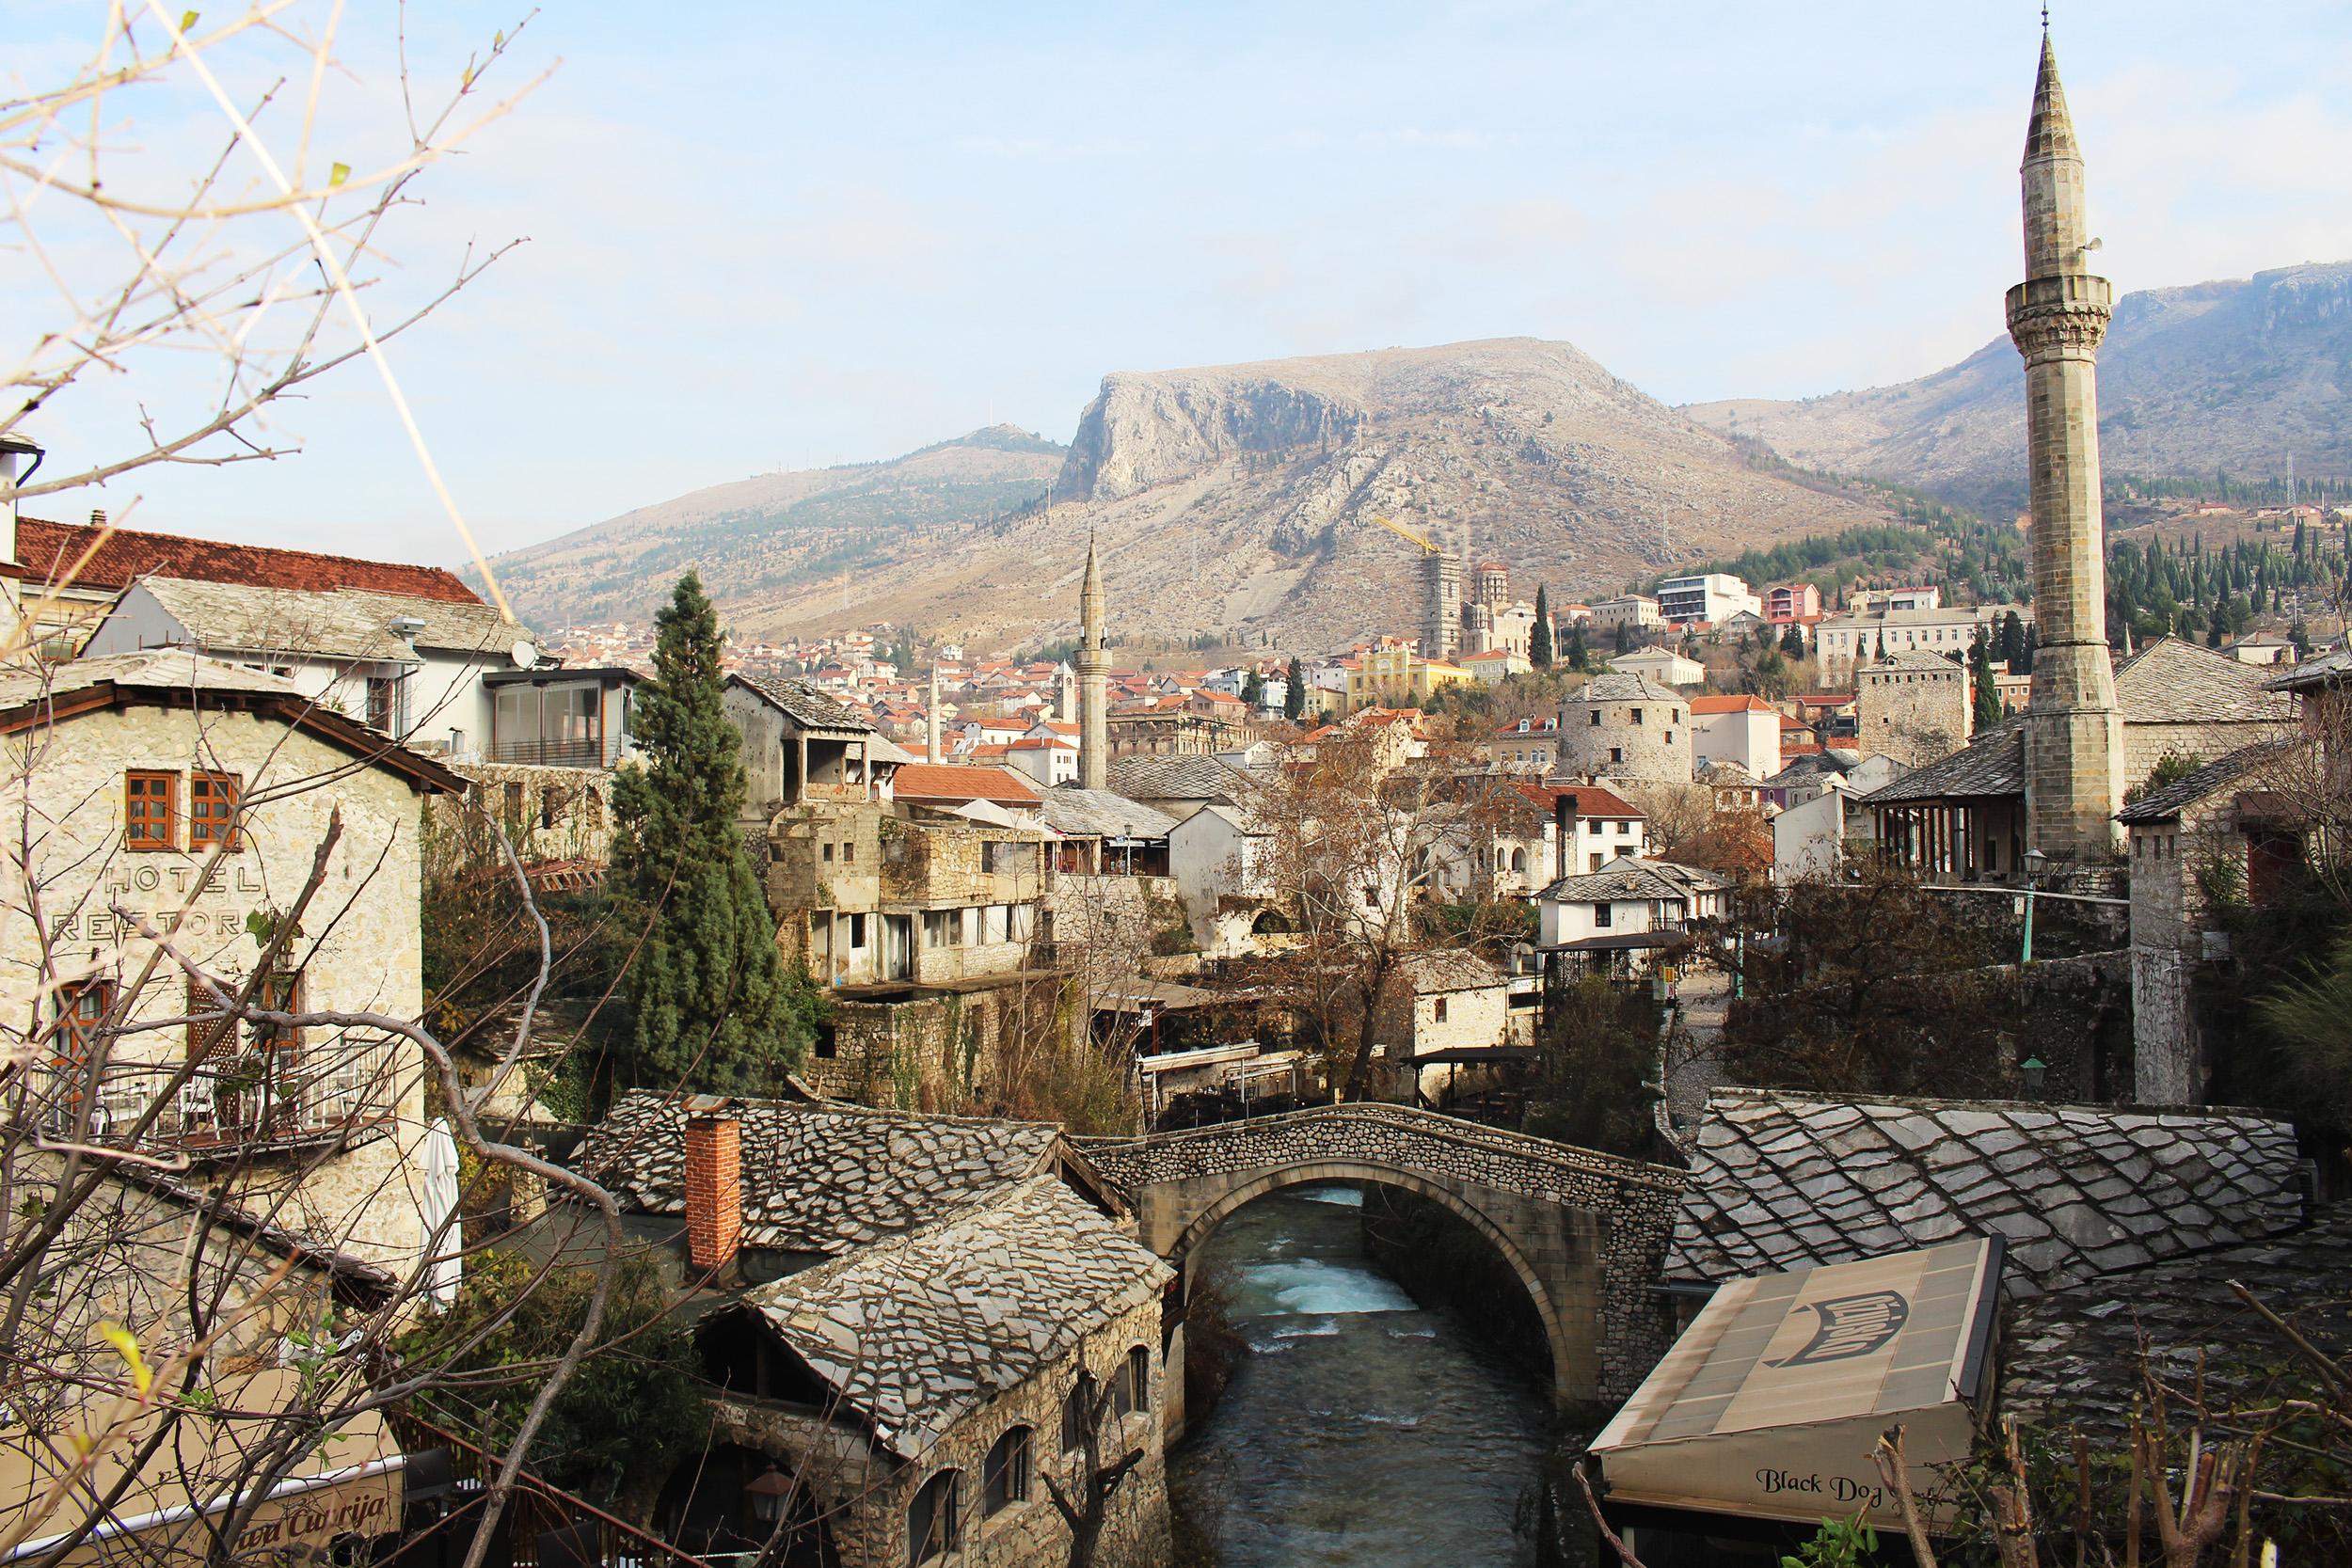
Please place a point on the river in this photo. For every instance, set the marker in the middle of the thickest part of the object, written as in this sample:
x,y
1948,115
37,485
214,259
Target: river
x,y
1359,1430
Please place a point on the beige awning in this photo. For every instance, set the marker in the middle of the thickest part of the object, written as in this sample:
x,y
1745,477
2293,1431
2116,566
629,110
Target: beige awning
x,y
1770,1403
346,1484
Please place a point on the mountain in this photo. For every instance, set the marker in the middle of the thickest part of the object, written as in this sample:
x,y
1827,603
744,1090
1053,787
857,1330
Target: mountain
x,y
2230,376
756,536
1236,499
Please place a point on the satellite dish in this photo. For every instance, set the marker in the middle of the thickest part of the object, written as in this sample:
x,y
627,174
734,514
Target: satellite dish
x,y
523,654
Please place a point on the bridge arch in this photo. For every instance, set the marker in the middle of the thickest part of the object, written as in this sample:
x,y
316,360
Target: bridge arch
x,y
1586,1232
1204,1225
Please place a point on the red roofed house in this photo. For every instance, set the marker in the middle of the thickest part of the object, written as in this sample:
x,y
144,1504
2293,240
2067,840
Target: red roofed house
x,y
1740,729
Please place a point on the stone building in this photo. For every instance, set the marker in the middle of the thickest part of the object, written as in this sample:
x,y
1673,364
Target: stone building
x,y
2223,825
1615,919
1625,726
1443,1023
2185,701
896,1312
1913,707
187,795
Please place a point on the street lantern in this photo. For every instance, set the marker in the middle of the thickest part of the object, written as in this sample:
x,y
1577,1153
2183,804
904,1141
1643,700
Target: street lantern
x,y
2036,862
2035,1070
766,1495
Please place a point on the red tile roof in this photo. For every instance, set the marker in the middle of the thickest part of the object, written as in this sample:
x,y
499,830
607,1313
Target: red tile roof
x,y
1730,705
939,781
48,550
1591,800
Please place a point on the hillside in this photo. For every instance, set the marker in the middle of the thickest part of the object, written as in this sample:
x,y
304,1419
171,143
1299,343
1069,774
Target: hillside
x,y
1238,498
2227,375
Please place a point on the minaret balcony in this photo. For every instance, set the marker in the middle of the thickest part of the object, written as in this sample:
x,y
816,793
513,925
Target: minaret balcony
x,y
2068,290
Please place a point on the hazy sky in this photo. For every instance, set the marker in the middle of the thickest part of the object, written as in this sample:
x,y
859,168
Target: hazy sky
x,y
779,235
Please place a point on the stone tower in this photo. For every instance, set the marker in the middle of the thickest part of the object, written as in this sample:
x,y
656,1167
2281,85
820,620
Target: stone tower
x,y
1094,664
1441,589
2074,734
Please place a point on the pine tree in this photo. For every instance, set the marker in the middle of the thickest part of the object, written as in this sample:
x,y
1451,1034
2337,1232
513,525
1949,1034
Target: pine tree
x,y
1988,709
1253,689
1792,643
1539,646
1580,652
711,1006
1294,692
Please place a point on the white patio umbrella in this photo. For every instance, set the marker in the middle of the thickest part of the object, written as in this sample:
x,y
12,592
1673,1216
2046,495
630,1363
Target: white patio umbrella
x,y
439,1158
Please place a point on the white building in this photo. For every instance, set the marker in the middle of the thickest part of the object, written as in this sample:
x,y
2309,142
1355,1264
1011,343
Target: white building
x,y
1870,601
1742,730
1842,640
1608,918
1711,596
1219,858
414,668
1662,665
1637,611
1814,838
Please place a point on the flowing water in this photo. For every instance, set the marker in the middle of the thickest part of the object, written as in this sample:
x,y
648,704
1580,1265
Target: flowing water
x,y
1359,1429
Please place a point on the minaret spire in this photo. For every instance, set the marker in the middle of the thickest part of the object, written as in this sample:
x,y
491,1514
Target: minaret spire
x,y
2056,317
1095,752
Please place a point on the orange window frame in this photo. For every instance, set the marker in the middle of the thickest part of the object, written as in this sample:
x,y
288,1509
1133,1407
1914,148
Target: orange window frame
x,y
213,799
150,809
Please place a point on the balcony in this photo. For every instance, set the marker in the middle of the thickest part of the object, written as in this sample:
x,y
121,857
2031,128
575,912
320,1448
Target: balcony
x,y
548,752
257,1100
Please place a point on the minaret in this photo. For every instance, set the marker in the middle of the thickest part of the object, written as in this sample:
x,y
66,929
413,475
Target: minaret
x,y
2074,735
930,722
1094,746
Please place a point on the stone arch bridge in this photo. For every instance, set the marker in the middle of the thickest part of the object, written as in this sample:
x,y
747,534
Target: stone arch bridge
x,y
1585,1232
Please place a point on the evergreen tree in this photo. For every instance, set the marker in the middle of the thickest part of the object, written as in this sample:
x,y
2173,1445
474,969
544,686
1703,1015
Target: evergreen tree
x,y
1294,692
2013,642
1792,643
1539,646
1625,637
1989,710
711,1005
2025,660
1580,652
1253,689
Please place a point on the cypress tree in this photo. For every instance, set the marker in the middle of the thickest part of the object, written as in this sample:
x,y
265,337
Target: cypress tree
x,y
1989,711
1294,692
1792,643
1539,646
711,1006
1580,652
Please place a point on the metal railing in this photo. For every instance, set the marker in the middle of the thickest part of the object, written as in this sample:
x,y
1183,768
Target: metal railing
x,y
538,751
239,1100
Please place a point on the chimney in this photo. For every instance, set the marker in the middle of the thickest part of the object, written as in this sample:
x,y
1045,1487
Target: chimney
x,y
14,470
1564,819
97,516
714,1191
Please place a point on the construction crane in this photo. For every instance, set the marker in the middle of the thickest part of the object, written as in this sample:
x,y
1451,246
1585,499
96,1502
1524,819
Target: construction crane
x,y
1406,533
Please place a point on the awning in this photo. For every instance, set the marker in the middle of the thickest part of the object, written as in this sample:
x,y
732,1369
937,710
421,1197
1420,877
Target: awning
x,y
1770,1403
1472,1055
1618,942
349,1484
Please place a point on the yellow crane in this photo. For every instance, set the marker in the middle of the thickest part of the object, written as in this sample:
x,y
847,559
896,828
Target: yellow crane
x,y
1406,533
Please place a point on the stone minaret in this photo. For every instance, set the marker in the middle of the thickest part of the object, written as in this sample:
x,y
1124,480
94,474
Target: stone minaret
x,y
1094,664
2074,735
930,722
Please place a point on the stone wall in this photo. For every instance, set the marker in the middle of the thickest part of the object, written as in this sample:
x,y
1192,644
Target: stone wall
x,y
1586,1232
1603,739
931,1050
872,1491
547,814
2145,745
1911,714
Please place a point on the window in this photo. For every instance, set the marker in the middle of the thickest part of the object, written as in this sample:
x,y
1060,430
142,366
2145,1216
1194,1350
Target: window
x,y
1670,738
1602,915
1617,753
1624,828
857,931
82,1006
1437,1011
213,810
1637,715
513,795
1005,1479
933,1518
1139,1377
1372,896
1597,859
550,805
150,805
384,703
1074,1420
1594,717
828,854
848,852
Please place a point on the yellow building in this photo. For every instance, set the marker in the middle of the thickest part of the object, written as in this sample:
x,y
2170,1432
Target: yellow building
x,y
1392,675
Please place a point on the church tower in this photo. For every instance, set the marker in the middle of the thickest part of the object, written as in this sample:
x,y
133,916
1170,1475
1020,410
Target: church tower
x,y
2074,735
1094,664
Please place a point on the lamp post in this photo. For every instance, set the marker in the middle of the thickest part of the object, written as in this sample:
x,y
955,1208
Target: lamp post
x,y
2035,1070
2035,863
766,1495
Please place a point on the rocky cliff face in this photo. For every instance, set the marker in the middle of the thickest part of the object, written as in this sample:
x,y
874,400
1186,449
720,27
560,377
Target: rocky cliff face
x,y
2226,375
1241,499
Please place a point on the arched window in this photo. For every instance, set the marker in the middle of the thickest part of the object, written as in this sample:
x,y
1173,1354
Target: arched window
x,y
1005,1479
1074,1420
934,1518
1518,860
1131,1391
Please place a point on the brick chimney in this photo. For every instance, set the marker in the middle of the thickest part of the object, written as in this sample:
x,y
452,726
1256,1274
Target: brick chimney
x,y
714,1191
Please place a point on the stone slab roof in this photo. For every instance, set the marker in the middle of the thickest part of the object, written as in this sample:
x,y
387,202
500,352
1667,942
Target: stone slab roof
x,y
1784,1180
233,617
2173,682
1626,686
1994,763
1194,778
820,1179
1916,658
1629,878
1102,814
1447,970
48,550
2177,797
922,1329
802,703
2333,668
2072,1357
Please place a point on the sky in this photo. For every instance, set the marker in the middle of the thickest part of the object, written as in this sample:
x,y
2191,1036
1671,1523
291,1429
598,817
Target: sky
x,y
777,235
